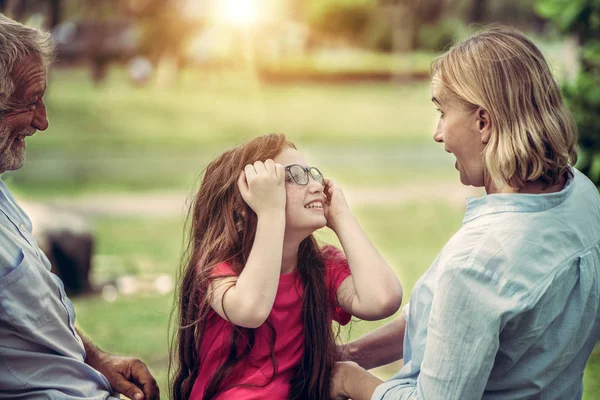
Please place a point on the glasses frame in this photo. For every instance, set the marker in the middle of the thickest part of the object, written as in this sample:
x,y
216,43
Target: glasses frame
x,y
307,172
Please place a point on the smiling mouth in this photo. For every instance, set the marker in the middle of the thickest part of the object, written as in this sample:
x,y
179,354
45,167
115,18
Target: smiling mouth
x,y
21,137
314,205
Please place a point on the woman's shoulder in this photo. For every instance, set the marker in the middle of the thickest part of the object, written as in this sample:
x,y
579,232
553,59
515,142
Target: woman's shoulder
x,y
510,257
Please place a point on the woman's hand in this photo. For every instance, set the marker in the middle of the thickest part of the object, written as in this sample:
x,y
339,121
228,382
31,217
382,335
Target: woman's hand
x,y
349,380
335,206
338,380
262,186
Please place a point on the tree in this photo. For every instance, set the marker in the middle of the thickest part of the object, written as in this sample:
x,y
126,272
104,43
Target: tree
x,y
166,31
582,18
477,10
21,9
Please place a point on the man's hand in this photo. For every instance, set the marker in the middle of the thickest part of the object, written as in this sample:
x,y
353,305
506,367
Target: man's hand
x,y
128,376
343,352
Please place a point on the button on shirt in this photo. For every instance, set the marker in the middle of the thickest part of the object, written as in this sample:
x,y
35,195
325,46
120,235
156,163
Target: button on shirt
x,y
41,354
510,308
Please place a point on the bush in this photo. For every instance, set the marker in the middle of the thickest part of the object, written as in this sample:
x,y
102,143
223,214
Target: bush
x,y
440,36
582,18
348,20
378,35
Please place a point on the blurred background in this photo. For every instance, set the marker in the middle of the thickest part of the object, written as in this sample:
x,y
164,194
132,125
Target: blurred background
x,y
146,92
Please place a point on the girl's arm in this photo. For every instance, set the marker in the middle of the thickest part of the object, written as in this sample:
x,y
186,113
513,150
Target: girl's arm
x,y
372,291
247,300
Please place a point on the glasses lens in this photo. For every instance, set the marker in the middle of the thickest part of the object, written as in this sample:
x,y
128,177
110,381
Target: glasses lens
x,y
299,175
316,175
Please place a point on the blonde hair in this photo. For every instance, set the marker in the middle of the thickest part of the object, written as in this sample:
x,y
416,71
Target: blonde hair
x,y
533,135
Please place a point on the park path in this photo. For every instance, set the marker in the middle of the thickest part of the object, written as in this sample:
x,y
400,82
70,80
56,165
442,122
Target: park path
x,y
174,203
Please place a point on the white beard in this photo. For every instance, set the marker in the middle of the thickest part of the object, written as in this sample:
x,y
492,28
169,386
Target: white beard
x,y
12,152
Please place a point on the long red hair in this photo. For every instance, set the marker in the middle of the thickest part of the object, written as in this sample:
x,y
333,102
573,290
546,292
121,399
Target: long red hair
x,y
222,228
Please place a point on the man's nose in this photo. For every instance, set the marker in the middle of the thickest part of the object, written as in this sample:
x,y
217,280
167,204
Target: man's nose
x,y
39,120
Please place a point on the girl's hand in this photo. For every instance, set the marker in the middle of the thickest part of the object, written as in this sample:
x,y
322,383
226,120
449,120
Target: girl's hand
x,y
262,186
335,206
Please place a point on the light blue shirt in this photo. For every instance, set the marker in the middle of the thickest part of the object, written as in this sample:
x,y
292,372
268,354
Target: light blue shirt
x,y
510,307
41,354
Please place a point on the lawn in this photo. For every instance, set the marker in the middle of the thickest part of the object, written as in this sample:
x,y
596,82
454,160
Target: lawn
x,y
117,138
408,235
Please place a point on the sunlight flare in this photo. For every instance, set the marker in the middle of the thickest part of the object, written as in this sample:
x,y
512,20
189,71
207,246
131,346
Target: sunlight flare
x,y
239,12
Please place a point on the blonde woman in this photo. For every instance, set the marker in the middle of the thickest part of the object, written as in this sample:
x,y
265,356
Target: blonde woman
x,y
510,307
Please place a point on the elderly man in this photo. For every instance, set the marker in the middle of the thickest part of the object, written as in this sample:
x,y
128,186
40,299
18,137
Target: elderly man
x,y
42,354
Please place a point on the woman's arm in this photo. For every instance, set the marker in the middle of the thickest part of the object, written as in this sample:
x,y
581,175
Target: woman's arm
x,y
380,347
247,300
373,291
463,337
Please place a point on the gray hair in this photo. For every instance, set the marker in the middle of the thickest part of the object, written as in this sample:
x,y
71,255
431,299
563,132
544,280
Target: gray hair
x,y
18,41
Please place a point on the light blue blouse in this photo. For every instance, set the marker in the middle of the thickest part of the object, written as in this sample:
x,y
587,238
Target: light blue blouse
x,y
41,354
510,308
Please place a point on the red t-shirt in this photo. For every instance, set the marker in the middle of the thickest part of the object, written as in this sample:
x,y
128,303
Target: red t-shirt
x,y
286,318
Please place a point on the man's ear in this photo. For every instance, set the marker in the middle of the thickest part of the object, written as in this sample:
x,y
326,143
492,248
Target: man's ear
x,y
484,124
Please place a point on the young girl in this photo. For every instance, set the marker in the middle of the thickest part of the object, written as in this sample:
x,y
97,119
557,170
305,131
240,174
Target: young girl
x,y
258,295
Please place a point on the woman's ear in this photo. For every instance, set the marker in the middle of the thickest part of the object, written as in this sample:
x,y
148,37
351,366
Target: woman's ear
x,y
484,124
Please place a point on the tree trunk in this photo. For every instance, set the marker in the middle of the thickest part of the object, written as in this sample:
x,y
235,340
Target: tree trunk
x,y
15,9
477,11
55,14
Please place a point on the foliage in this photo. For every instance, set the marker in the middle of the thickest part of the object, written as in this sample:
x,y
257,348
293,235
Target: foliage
x,y
582,18
345,19
374,23
166,31
439,36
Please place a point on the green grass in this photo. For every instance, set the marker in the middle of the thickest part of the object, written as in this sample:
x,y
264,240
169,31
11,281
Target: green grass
x,y
357,61
136,247
119,138
591,381
133,326
116,137
409,236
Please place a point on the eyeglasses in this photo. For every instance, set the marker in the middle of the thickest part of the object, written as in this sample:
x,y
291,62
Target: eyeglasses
x,y
300,174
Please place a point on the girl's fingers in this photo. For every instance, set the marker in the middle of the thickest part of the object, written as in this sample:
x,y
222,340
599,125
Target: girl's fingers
x,y
259,166
242,184
280,171
270,165
250,172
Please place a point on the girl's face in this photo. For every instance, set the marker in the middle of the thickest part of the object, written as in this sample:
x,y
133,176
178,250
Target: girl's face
x,y
464,134
304,205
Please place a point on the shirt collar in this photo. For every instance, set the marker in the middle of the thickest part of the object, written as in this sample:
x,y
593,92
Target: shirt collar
x,y
517,202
